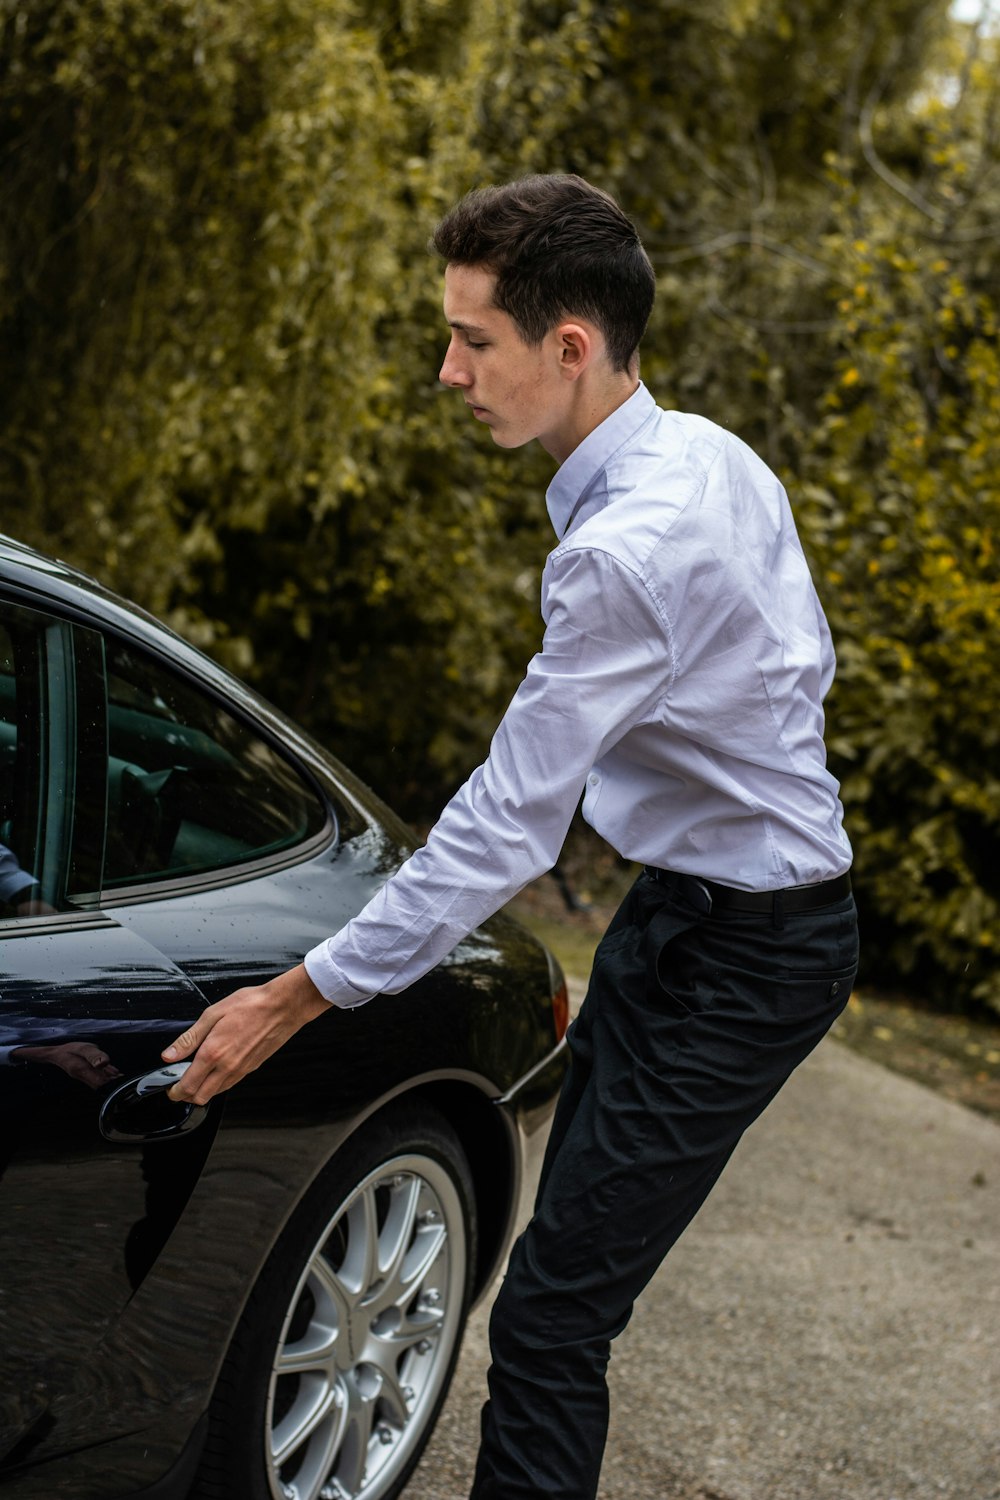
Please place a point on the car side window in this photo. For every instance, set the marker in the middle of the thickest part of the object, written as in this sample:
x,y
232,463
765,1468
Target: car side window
x,y
190,789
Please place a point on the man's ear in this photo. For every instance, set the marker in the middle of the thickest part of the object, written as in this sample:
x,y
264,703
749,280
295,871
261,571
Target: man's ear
x,y
576,349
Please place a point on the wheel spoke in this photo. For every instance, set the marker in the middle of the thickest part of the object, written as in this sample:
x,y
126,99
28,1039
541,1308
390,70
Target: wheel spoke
x,y
299,1358
421,1323
426,1249
360,1272
322,1457
312,1407
397,1232
327,1285
354,1446
316,1348
392,1396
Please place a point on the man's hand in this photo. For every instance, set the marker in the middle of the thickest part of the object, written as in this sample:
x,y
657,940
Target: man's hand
x,y
237,1034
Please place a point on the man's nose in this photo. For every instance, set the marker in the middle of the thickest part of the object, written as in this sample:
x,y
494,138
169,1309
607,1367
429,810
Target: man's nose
x,y
451,372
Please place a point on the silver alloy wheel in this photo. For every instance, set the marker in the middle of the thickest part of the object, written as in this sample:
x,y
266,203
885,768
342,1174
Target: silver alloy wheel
x,y
366,1343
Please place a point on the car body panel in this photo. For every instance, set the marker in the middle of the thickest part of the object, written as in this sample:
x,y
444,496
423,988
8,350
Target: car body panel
x,y
69,1197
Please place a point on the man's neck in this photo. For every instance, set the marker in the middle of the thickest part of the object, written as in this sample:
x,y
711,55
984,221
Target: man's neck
x,y
589,410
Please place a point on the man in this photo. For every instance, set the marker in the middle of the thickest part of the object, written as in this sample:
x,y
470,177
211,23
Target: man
x,y
679,685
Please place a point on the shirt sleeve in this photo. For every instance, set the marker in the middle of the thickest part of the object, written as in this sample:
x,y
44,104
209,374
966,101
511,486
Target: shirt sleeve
x,y
604,664
12,878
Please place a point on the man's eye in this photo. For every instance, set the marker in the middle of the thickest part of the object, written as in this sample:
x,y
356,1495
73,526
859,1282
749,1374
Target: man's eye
x,y
476,346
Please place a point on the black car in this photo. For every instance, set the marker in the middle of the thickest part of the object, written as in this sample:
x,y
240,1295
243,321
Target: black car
x,y
263,1298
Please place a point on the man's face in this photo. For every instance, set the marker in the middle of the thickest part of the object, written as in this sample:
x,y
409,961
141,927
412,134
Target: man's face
x,y
514,387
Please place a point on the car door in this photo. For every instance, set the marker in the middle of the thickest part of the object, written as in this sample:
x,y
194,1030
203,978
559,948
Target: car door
x,y
85,1007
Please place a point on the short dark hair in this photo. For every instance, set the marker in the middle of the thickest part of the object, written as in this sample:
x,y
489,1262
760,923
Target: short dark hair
x,y
558,247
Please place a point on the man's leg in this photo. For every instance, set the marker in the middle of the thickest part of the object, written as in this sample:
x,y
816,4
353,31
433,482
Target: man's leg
x,y
690,1026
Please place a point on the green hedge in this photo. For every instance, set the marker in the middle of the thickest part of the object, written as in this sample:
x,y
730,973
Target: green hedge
x,y
901,512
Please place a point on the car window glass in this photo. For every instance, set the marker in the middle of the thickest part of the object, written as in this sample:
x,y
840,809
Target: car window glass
x,y
190,788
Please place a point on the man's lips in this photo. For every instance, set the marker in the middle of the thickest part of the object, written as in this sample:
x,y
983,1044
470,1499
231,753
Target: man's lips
x,y
477,411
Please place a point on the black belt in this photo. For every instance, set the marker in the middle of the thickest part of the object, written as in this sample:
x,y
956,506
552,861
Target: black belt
x,y
728,898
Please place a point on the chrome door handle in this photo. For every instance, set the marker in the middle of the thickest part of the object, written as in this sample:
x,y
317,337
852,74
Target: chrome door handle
x,y
136,1112
161,1079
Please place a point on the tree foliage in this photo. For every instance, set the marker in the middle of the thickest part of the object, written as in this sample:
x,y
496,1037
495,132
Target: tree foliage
x,y
223,335
901,506
221,331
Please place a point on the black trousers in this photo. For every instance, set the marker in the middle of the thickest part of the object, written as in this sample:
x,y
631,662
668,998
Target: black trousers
x,y
692,1022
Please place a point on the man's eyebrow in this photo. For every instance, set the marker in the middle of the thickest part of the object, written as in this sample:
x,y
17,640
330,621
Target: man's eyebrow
x,y
465,327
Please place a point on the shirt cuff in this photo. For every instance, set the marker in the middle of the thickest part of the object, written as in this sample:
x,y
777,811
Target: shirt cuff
x,y
14,885
330,981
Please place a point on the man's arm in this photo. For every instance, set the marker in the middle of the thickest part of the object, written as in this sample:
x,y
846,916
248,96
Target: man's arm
x,y
604,664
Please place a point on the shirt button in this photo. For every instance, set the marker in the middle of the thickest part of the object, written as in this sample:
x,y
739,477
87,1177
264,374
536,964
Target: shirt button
x,y
593,779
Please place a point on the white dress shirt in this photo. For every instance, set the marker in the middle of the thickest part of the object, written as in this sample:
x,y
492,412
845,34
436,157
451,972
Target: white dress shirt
x,y
679,685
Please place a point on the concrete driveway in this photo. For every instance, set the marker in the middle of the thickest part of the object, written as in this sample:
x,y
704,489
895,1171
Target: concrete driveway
x,y
827,1329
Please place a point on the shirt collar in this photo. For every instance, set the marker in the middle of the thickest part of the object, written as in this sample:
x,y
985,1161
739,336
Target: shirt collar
x,y
574,478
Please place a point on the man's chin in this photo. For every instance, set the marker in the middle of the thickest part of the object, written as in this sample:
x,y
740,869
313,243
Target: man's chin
x,y
507,439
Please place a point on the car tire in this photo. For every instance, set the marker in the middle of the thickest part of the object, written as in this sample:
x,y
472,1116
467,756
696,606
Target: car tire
x,y
343,1357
